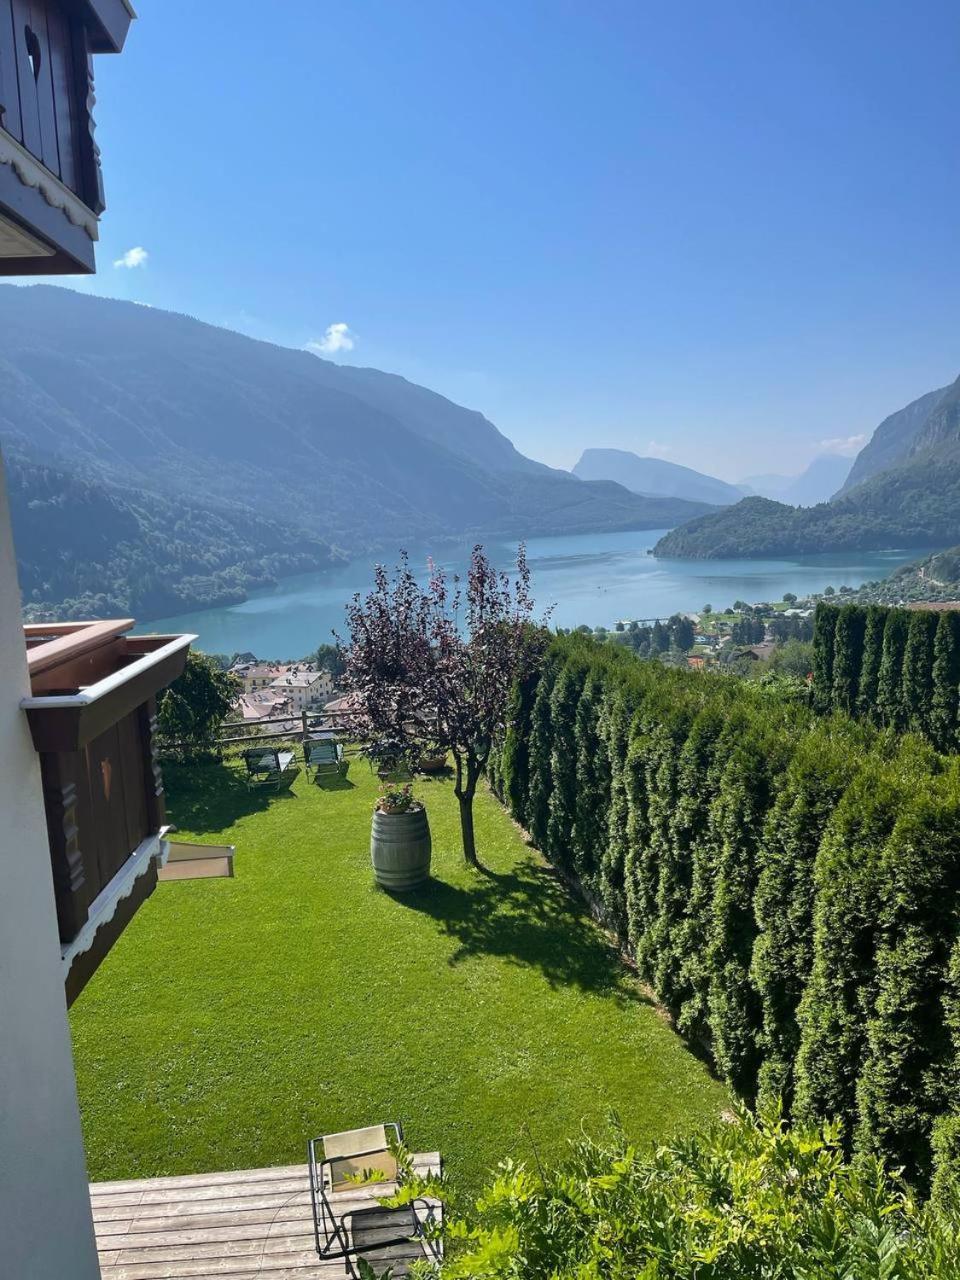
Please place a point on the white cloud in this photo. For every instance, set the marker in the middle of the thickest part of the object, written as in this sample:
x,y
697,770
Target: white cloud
x,y
136,257
657,450
336,337
846,446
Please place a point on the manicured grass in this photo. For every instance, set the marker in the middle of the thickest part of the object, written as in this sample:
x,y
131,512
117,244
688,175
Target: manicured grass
x,y
486,1012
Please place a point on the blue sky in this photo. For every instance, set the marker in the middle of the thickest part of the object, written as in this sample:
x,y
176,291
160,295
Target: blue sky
x,y
725,233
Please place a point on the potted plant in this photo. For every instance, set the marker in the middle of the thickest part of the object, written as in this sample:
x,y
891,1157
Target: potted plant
x,y
433,758
397,799
400,843
389,757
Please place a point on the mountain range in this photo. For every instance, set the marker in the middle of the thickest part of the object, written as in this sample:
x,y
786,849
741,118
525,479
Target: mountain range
x,y
202,463
654,476
903,491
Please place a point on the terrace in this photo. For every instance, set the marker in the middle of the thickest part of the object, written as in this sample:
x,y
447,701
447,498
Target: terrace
x,y
240,1225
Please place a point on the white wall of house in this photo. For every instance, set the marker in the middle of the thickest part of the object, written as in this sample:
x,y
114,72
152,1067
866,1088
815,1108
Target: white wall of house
x,y
46,1228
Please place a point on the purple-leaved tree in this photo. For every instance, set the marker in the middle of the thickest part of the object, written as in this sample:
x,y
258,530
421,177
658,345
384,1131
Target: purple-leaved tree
x,y
434,665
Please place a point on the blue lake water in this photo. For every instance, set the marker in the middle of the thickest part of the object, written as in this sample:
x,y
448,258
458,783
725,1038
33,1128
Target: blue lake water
x,y
587,578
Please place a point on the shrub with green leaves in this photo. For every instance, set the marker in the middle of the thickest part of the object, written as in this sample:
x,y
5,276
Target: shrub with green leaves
x,y
751,1198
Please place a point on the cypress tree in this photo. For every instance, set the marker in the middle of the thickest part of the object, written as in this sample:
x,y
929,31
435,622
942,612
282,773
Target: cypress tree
x,y
562,801
693,1017
946,678
890,708
737,818
515,762
848,645
688,825
908,1075
666,743
840,994
824,630
870,667
918,670
639,873
619,707
593,783
816,779
541,739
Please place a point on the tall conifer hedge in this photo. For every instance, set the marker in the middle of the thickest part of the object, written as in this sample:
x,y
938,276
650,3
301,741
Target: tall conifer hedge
x,y
899,668
789,884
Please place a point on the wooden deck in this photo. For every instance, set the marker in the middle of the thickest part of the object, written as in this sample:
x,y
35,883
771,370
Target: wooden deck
x,y
234,1226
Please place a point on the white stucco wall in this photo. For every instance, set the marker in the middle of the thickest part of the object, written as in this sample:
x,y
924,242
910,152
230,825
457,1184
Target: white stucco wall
x,y
46,1229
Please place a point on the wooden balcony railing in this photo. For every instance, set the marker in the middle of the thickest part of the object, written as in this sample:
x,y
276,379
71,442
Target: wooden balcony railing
x,y
92,715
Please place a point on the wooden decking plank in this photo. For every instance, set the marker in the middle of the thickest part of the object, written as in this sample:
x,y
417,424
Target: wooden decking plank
x,y
207,1235
424,1163
166,1195
201,1179
300,1265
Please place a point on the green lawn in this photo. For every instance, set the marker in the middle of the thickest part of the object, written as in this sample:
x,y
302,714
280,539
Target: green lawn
x,y
486,1011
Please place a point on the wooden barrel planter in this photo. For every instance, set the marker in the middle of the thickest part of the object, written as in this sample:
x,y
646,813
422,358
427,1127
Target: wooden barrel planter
x,y
400,849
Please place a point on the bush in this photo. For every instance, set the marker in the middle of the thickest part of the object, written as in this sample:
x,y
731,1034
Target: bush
x,y
751,1198
190,714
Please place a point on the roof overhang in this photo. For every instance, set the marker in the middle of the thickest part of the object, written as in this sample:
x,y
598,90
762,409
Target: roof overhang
x,y
107,22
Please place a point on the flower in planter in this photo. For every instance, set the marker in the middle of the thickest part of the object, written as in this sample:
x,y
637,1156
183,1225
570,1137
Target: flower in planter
x,y
397,799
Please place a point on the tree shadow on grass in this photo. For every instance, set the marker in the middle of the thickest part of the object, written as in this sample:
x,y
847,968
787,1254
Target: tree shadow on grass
x,y
528,917
210,797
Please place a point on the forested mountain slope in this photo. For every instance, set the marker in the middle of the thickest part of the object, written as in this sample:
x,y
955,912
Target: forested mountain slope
x,y
914,503
255,446
893,440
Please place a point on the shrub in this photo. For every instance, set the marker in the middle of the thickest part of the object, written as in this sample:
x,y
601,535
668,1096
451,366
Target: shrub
x,y
751,1198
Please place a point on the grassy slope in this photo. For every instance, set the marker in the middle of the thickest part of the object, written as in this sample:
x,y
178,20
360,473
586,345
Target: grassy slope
x,y
235,1017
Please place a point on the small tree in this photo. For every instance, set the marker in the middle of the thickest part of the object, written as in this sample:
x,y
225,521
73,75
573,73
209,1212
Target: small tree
x,y
420,673
329,658
191,711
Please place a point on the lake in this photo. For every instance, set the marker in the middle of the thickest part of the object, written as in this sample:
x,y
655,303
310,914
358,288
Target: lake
x,y
588,578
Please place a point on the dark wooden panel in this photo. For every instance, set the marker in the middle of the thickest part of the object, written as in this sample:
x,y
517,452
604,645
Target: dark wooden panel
x,y
105,763
38,40
29,106
64,99
87,963
62,786
134,781
90,187
9,83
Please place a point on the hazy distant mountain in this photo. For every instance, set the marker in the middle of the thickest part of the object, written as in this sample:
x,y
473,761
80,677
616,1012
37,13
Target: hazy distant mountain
x,y
654,476
139,406
765,486
818,482
893,440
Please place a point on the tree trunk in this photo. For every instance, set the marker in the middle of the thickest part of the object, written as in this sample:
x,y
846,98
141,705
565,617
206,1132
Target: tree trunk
x,y
465,790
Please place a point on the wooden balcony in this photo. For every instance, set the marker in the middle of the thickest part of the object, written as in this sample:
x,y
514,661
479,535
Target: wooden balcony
x,y
51,194
92,715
